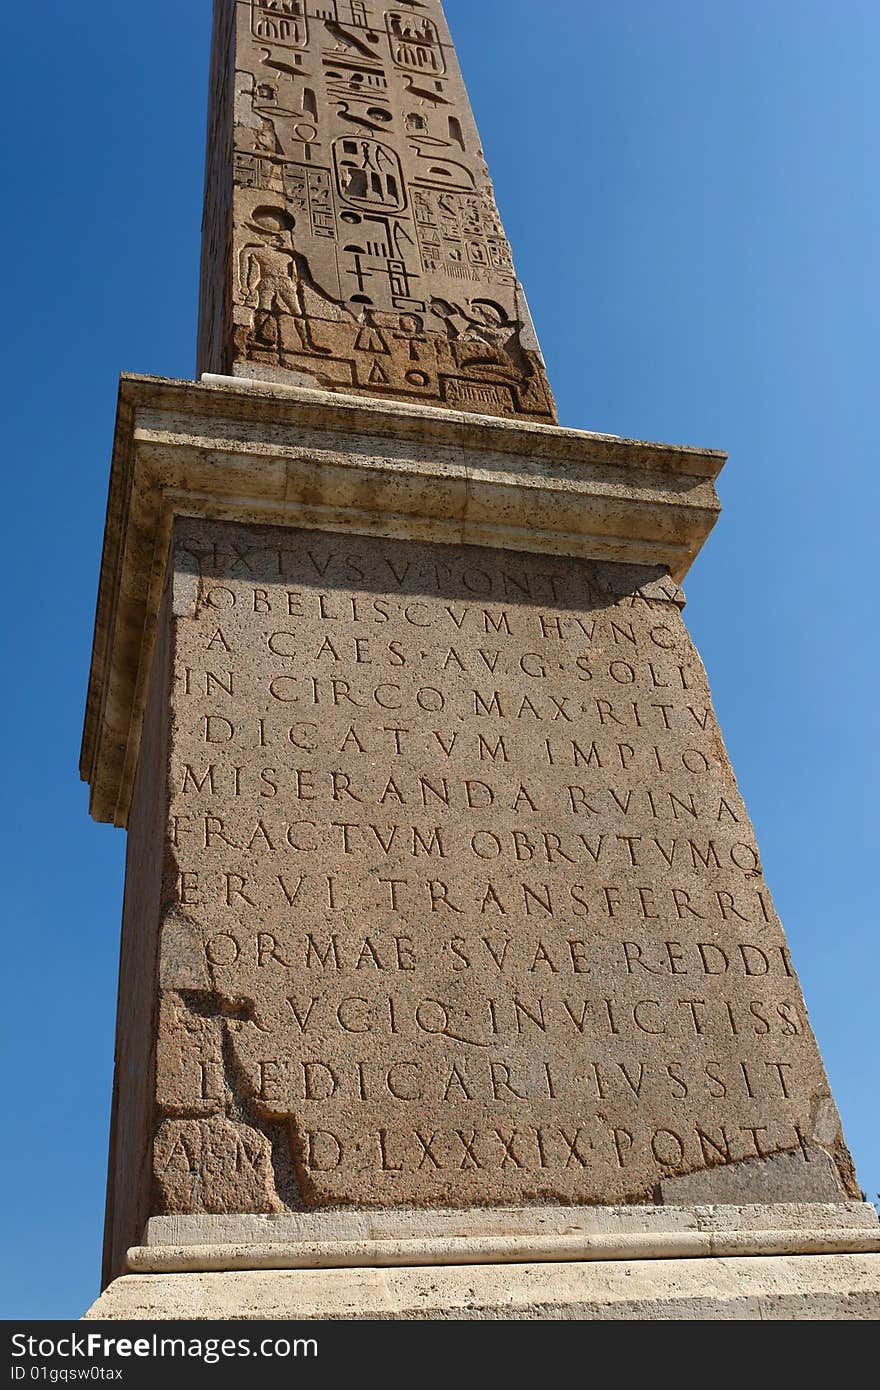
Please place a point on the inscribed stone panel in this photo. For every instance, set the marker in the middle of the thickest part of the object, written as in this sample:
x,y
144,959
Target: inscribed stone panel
x,y
465,905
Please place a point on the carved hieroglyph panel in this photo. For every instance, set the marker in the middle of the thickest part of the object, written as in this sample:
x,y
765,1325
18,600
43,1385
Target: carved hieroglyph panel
x,y
464,905
351,234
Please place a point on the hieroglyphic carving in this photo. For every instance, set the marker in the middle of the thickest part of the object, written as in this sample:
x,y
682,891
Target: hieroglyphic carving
x,y
415,43
280,21
352,129
464,903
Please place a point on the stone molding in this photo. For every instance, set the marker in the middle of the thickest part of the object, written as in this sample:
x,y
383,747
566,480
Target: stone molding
x,y
412,1237
243,451
525,1223
410,1254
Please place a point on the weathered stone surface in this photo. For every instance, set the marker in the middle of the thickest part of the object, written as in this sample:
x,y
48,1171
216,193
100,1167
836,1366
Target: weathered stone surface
x,y
214,1164
132,1127
783,1177
351,237
467,908
791,1288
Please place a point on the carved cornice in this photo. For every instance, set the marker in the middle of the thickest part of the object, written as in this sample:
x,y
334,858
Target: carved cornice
x,y
244,451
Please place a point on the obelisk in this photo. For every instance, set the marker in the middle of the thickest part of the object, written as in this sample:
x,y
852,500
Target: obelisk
x,y
351,236
450,981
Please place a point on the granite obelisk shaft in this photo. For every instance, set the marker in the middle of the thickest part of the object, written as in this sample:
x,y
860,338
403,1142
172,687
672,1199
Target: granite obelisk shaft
x,y
351,237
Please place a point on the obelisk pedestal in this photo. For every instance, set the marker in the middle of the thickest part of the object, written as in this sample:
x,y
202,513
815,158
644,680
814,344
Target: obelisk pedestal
x,y
450,985
440,886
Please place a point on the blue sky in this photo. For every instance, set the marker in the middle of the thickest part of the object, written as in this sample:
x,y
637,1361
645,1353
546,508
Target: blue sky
x,y
690,189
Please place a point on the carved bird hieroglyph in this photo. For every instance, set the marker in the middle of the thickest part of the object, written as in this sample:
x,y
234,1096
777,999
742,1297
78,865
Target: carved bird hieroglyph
x,y
349,42
424,94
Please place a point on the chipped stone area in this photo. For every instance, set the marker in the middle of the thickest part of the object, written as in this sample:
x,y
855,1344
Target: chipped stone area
x,y
808,1175
214,1165
463,904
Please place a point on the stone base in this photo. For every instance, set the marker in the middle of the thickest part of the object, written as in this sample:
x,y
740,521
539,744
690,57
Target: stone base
x,y
784,1287
806,1260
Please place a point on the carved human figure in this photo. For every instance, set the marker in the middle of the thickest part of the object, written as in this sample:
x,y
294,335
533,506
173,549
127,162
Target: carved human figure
x,y
273,274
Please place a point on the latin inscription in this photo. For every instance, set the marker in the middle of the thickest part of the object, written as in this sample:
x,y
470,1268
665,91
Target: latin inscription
x,y
464,903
